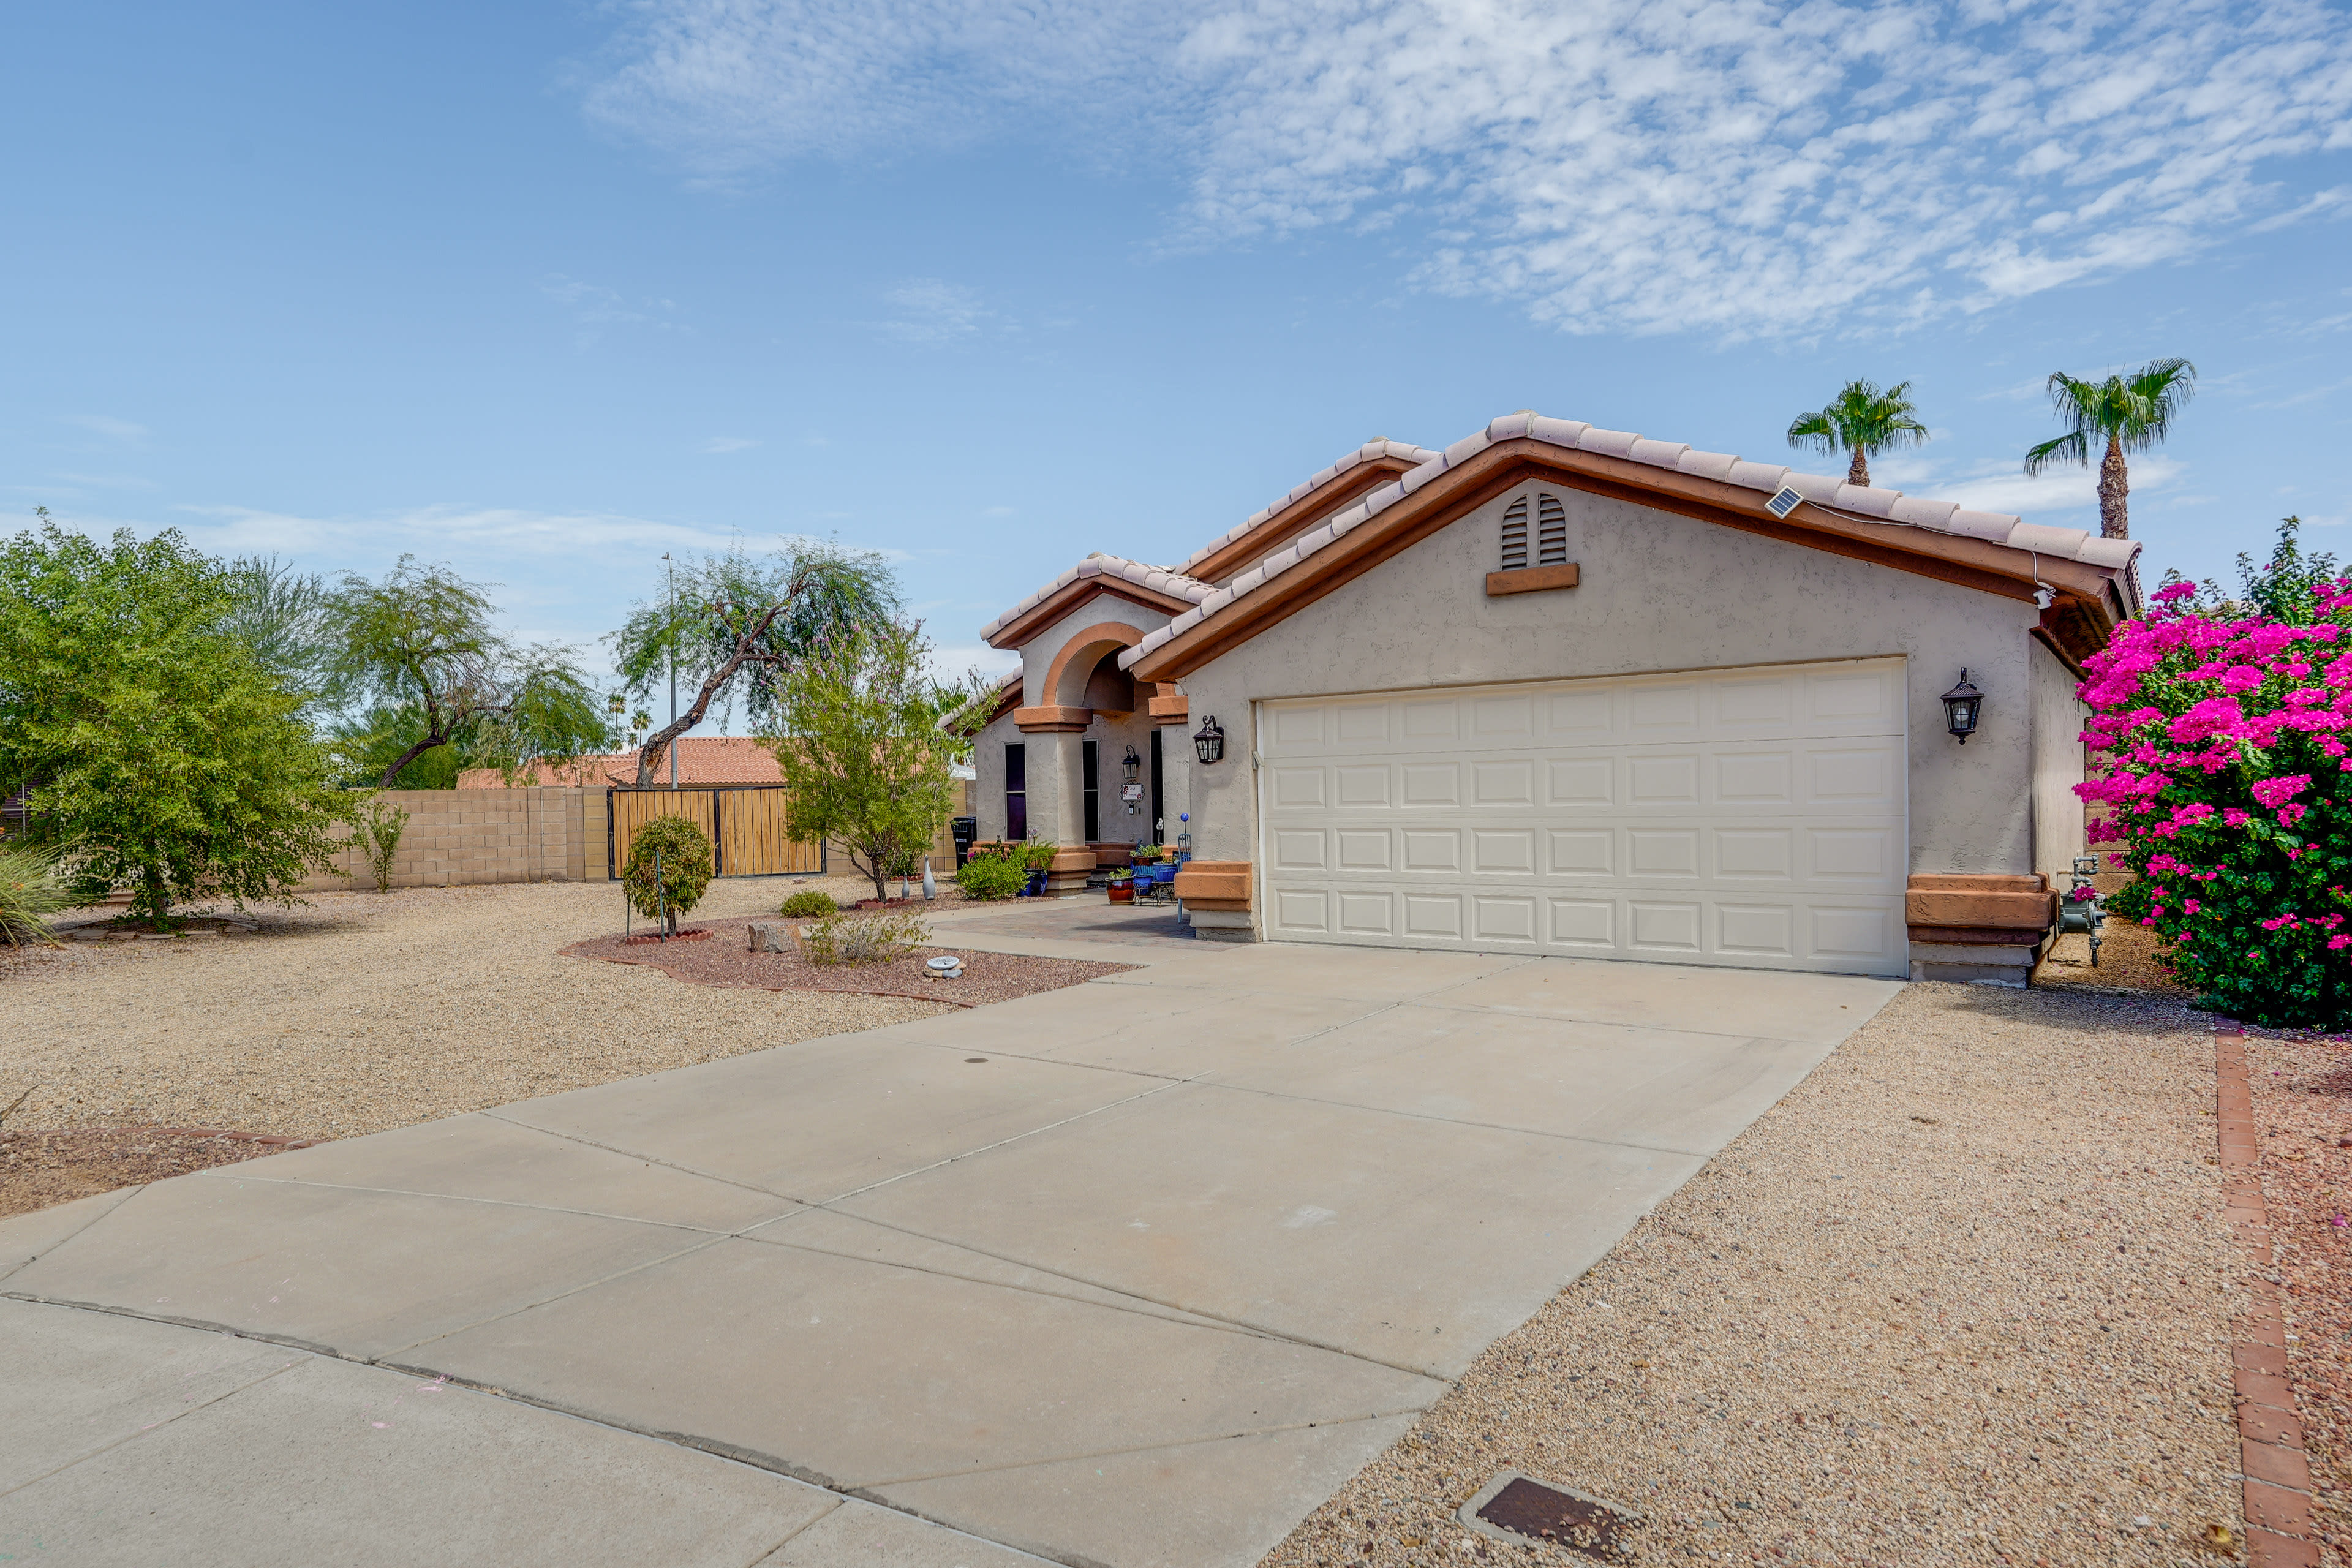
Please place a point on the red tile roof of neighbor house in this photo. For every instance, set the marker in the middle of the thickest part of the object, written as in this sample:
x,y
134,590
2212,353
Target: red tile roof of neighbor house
x,y
701,760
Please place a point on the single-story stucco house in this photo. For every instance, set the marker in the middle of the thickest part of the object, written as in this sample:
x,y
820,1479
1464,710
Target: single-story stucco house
x,y
1561,689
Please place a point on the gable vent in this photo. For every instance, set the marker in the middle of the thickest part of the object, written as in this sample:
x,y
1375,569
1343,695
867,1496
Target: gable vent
x,y
1551,532
1514,535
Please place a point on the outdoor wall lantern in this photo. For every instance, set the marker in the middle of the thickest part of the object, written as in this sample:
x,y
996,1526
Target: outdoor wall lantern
x,y
1131,764
1211,742
1962,703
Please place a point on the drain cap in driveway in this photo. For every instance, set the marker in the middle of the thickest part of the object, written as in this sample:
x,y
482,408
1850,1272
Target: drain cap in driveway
x,y
1516,1507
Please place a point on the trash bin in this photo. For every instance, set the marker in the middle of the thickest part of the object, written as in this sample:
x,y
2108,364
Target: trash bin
x,y
965,830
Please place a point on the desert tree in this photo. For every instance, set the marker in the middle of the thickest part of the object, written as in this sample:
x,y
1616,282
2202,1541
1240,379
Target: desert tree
x,y
862,750
156,751
421,648
2130,411
734,626
1861,421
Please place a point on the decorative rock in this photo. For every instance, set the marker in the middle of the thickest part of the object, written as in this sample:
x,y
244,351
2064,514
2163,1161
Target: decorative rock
x,y
773,936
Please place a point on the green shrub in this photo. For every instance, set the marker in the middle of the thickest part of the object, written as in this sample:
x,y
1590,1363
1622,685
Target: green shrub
x,y
875,938
1037,854
683,853
809,904
991,877
31,890
376,829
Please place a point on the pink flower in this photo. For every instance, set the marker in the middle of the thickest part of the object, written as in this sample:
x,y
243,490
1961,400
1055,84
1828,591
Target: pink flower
x,y
2279,791
2337,941
2231,816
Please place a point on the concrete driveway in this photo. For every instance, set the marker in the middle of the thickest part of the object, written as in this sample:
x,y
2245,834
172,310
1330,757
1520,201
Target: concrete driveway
x,y
1132,1273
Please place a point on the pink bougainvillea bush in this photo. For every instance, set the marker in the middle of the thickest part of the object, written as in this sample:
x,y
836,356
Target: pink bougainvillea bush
x,y
2221,738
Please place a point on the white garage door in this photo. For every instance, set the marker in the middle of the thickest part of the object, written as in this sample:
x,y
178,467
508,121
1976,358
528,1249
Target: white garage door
x,y
1753,818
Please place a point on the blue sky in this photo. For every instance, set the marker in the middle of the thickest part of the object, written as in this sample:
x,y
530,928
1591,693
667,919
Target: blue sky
x,y
543,290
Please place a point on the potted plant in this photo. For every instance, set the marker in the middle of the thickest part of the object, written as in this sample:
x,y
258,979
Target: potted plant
x,y
1037,859
1120,885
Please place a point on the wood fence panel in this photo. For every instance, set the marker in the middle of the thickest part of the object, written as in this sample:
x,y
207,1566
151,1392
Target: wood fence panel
x,y
752,829
632,808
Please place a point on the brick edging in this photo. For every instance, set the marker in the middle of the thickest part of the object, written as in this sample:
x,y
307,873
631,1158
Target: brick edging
x,y
2279,1530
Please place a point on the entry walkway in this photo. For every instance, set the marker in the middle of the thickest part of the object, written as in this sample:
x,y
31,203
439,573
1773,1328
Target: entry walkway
x,y
1132,1273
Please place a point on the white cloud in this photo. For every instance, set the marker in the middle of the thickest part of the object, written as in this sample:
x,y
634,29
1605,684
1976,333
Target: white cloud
x,y
2008,489
1735,167
592,307
121,430
931,310
719,443
435,532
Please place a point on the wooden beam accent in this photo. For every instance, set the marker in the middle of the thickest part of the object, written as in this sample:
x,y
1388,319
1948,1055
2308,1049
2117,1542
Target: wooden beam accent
x,y
1051,721
1530,580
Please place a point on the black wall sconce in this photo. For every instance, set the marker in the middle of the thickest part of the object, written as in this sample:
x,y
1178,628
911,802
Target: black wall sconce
x,y
1210,741
1963,704
1130,764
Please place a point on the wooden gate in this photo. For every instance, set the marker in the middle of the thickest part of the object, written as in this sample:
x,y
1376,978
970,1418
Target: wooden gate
x,y
745,824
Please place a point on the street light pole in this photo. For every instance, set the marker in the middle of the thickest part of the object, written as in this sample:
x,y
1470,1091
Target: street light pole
x,y
670,656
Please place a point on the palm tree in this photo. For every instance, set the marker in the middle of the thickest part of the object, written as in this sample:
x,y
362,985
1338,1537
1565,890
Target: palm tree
x,y
2132,412
1860,420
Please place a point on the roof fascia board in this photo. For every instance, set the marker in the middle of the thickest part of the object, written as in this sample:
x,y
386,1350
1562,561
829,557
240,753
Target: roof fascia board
x,y
1296,518
1969,563
1076,595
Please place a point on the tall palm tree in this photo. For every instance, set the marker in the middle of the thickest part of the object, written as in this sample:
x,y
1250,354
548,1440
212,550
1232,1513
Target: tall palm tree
x,y
1860,420
2133,413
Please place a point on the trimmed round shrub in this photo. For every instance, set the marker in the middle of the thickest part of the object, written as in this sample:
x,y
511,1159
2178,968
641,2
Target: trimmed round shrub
x,y
992,876
809,905
683,852
2222,727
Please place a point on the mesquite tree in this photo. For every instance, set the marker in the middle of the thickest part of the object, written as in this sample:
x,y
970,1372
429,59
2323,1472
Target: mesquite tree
x,y
423,641
736,626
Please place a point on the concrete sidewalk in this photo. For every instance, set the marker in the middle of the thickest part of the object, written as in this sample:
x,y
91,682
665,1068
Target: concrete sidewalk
x,y
1131,1273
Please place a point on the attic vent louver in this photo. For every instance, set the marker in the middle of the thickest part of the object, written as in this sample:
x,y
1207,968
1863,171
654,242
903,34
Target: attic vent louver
x,y
1551,531
1514,535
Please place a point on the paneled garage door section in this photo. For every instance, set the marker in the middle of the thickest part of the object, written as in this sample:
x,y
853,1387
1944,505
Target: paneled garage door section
x,y
1748,817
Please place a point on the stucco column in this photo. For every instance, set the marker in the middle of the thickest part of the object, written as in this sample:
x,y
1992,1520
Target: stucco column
x,y
1057,809
1176,763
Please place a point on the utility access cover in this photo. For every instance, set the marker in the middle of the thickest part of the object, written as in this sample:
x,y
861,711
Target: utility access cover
x,y
1517,1507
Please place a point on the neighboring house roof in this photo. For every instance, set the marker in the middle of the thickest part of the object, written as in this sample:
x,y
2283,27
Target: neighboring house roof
x,y
2093,579
1156,586
704,759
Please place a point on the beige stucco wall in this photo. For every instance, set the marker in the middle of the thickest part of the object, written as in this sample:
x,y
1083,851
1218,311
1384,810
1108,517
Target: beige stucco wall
x,y
1659,592
2058,766
1057,810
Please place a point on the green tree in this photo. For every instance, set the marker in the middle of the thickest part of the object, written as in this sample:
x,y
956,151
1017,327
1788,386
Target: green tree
x,y
2126,413
423,641
158,752
281,615
862,751
736,626
1860,420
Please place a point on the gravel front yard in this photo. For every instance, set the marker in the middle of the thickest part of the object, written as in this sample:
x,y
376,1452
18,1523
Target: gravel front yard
x,y
366,1011
1962,1297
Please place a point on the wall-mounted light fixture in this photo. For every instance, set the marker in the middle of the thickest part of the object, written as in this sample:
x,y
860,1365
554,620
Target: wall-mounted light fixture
x,y
1131,764
1962,706
1210,740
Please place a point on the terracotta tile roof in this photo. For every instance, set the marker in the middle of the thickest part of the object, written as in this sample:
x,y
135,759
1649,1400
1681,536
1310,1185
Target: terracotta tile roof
x,y
1117,569
1363,454
1871,503
703,760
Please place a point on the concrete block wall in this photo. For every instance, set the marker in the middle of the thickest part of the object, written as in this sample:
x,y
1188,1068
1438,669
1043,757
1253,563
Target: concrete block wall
x,y
458,836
